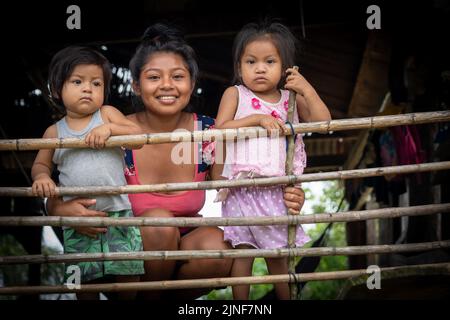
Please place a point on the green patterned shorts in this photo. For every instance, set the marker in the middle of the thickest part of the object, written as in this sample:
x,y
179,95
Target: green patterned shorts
x,y
116,239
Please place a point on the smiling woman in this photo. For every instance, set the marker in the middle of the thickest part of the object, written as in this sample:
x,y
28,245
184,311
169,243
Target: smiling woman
x,y
165,83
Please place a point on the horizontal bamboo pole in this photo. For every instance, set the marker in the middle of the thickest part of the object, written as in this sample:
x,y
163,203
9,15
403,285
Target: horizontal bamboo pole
x,y
232,134
349,216
216,184
224,254
430,269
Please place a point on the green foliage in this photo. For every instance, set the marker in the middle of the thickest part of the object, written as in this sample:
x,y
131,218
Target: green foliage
x,y
256,291
17,275
327,201
260,290
12,274
320,290
51,273
330,198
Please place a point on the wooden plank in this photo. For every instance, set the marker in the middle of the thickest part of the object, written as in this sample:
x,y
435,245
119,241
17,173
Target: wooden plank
x,y
372,82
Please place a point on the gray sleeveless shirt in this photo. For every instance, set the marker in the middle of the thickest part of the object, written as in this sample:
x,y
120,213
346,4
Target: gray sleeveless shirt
x,y
91,167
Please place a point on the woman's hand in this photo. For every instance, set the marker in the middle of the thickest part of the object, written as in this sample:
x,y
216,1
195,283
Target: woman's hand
x,y
294,198
77,208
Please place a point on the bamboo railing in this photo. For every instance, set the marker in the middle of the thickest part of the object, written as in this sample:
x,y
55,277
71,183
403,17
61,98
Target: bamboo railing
x,y
349,216
290,220
224,254
215,184
232,134
424,269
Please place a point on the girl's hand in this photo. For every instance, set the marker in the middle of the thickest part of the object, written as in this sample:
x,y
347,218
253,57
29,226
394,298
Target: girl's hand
x,y
272,124
44,187
295,81
294,198
97,137
79,208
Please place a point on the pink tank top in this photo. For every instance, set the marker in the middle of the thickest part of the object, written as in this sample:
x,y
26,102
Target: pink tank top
x,y
263,156
184,204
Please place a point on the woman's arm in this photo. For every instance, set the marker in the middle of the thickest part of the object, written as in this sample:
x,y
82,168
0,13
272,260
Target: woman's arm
x,y
78,207
215,173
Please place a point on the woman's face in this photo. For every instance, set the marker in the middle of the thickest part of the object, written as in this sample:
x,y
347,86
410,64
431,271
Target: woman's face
x,y
164,84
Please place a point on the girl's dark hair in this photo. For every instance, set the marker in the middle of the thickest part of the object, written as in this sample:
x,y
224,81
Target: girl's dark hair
x,y
63,63
279,34
162,38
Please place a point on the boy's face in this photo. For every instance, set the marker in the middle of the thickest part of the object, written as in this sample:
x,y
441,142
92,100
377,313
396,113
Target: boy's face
x,y
83,92
261,66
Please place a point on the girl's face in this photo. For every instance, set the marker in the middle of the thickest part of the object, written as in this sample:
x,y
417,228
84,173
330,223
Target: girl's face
x,y
165,84
261,66
83,92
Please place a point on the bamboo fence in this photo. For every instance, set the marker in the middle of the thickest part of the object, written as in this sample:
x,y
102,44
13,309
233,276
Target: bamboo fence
x,y
289,169
232,134
424,269
349,216
225,254
216,184
290,220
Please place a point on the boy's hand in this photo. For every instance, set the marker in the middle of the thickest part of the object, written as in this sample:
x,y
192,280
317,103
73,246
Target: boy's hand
x,y
272,124
97,137
44,187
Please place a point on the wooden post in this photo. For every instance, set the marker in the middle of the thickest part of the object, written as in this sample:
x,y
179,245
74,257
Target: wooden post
x,y
292,229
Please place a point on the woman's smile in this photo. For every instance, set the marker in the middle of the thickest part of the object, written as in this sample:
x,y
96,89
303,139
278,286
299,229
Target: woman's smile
x,y
165,82
167,99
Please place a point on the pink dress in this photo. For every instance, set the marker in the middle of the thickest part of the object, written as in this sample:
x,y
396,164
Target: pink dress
x,y
260,157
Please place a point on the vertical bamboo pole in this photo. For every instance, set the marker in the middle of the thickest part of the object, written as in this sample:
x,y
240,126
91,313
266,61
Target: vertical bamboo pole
x,y
292,229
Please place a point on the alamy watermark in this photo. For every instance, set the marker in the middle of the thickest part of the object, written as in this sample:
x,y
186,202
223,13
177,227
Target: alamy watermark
x,y
374,280
374,20
74,278
74,20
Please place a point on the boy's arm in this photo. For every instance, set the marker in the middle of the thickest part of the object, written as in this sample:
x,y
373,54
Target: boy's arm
x,y
42,168
118,123
115,123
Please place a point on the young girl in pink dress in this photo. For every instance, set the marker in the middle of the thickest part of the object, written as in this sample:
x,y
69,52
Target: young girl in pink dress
x,y
263,56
